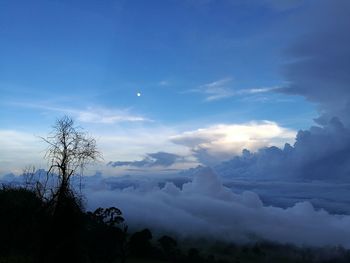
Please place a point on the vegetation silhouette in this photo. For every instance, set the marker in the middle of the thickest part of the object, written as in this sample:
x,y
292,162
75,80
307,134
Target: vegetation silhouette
x,y
69,150
22,223
140,243
106,235
169,247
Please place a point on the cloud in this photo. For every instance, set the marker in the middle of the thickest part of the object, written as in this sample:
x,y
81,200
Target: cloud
x,y
221,89
216,90
106,116
152,160
320,58
258,90
319,70
320,153
99,115
126,142
204,208
220,142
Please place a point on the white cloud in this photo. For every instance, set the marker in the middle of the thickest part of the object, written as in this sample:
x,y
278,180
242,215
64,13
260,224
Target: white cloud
x,y
92,114
320,153
105,116
221,142
124,142
204,208
133,143
222,89
215,90
258,90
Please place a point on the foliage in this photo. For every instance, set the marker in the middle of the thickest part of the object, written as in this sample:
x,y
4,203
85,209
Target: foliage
x,y
106,235
140,243
22,223
110,216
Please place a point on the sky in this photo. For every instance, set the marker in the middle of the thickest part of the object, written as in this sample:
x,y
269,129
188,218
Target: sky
x,y
193,81
227,117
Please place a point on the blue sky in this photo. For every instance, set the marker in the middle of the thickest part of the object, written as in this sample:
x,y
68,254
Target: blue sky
x,y
216,77
197,65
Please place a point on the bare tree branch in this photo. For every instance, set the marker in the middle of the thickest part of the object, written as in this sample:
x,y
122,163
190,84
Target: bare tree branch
x,y
69,149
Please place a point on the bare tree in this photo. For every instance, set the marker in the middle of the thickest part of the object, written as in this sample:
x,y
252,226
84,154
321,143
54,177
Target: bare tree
x,y
69,151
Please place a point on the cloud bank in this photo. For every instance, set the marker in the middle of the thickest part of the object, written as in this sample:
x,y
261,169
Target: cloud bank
x,y
217,143
320,153
205,208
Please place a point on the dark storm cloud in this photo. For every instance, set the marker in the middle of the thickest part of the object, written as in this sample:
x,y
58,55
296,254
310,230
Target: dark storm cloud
x,y
320,67
151,160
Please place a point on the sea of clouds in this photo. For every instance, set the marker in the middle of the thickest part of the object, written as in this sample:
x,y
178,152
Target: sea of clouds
x,y
205,208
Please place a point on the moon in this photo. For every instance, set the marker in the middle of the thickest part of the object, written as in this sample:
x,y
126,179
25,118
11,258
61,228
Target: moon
x,y
138,94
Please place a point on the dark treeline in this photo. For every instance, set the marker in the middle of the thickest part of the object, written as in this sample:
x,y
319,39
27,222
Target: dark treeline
x,y
31,232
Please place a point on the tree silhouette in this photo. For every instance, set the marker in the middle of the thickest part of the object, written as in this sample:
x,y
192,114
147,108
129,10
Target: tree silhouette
x,y
69,150
107,235
169,247
21,222
140,245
